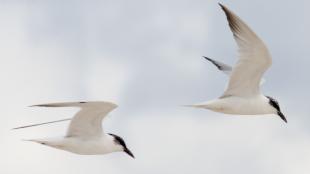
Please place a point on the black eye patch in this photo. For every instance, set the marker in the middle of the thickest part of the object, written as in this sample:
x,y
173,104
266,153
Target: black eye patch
x,y
118,140
273,103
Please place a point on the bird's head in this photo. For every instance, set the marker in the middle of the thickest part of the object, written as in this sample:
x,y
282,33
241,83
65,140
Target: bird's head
x,y
121,144
274,104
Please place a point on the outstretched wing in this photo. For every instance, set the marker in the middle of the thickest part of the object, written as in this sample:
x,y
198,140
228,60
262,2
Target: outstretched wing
x,y
88,121
254,59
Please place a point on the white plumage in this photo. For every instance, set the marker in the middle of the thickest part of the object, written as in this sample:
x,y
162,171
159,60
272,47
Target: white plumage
x,y
242,95
85,135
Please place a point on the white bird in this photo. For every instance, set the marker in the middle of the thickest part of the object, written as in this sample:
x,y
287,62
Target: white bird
x,y
242,95
85,135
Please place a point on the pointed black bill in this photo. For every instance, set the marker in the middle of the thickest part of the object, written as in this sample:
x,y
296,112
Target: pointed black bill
x,y
129,152
282,116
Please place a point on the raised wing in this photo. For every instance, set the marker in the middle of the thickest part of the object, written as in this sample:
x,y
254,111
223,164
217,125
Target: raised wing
x,y
254,59
88,121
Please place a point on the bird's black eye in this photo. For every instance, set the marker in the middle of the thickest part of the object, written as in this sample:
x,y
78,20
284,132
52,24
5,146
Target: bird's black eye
x,y
274,103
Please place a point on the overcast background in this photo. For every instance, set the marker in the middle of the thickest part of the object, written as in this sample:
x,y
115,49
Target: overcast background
x,y
146,56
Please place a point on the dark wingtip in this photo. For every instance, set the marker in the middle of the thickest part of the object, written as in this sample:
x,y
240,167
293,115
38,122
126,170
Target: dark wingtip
x,y
222,6
224,9
213,62
207,58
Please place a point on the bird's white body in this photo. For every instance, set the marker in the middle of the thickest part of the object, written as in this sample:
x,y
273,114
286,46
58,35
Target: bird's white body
x,y
255,105
85,135
82,146
242,95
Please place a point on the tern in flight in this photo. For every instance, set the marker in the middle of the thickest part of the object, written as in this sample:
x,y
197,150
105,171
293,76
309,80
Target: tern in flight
x,y
242,95
85,135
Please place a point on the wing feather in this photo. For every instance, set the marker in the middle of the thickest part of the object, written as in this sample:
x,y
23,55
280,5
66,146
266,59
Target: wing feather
x,y
254,59
88,121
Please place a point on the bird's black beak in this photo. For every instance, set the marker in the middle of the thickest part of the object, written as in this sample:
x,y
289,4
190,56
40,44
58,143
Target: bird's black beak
x,y
282,116
126,150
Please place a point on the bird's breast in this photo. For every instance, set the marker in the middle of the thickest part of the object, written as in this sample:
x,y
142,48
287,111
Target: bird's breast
x,y
90,146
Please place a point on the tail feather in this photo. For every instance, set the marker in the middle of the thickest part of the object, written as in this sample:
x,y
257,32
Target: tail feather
x,y
195,106
40,141
48,142
38,124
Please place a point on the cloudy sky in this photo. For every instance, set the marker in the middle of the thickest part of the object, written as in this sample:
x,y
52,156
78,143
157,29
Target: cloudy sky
x,y
146,56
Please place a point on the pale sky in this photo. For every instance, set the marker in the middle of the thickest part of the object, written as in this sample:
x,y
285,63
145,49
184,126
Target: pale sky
x,y
146,56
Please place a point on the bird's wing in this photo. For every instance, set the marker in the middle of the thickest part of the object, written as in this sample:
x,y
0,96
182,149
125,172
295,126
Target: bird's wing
x,y
88,121
226,69
254,59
